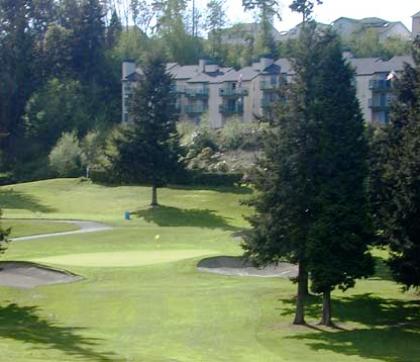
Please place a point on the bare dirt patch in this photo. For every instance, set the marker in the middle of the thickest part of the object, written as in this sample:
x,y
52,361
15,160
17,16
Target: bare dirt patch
x,y
30,275
238,266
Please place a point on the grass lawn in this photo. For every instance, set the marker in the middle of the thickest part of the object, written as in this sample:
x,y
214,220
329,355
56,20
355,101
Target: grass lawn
x,y
36,227
142,298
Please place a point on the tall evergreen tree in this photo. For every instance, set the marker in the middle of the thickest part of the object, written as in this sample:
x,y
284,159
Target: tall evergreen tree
x,y
268,10
340,231
305,8
215,21
285,178
114,30
149,149
395,179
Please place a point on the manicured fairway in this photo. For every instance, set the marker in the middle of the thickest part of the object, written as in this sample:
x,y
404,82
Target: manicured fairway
x,y
36,227
142,298
124,258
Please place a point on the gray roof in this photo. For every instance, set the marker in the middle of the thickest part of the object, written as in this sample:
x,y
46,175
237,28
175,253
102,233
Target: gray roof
x,y
368,66
211,77
191,73
416,15
184,72
285,66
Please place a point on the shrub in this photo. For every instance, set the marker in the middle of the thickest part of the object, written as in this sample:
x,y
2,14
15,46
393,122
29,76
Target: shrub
x,y
66,158
239,135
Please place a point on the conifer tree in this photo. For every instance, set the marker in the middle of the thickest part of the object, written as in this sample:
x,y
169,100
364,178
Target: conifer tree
x,y
285,175
312,203
395,177
340,231
149,149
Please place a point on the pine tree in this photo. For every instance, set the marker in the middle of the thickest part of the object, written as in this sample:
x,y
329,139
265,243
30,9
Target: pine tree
x,y
114,30
268,10
395,178
149,150
215,21
341,230
285,175
305,7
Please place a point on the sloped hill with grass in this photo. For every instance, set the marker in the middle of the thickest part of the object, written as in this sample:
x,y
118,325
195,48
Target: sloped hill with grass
x,y
143,299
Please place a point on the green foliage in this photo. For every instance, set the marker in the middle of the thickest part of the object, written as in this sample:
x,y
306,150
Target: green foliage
x,y
395,177
4,233
237,135
311,205
148,150
66,158
305,7
131,44
340,230
367,44
60,106
215,21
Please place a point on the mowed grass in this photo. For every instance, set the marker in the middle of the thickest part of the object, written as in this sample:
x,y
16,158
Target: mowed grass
x,y
142,298
20,228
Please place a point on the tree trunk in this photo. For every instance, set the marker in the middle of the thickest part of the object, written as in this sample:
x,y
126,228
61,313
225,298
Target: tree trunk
x,y
305,284
154,196
300,300
326,309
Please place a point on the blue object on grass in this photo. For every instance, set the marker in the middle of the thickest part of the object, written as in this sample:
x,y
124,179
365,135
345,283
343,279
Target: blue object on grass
x,y
127,215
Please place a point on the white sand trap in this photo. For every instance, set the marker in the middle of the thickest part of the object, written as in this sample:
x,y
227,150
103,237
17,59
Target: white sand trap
x,y
124,258
234,265
29,275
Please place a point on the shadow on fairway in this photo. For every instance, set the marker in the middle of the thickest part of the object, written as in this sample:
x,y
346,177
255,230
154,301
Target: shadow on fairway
x,y
222,189
173,216
10,199
382,270
391,332
25,325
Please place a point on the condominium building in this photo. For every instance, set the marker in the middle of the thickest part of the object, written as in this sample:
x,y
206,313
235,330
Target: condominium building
x,y
218,93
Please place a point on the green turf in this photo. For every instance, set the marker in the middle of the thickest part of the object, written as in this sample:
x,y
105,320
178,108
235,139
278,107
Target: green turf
x,y
168,311
36,227
123,258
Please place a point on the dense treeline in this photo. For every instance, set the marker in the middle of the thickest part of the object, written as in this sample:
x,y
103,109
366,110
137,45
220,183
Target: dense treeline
x,y
60,62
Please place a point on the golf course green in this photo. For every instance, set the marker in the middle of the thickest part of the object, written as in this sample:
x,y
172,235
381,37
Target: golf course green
x,y
142,298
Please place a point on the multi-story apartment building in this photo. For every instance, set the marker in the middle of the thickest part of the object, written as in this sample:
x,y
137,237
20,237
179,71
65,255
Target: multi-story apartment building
x,y
222,93
416,24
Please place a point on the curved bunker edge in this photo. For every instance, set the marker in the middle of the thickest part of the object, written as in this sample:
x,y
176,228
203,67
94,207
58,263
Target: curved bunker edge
x,y
27,275
238,266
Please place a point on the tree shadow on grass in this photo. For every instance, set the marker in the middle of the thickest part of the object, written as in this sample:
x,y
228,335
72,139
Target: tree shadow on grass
x,y
10,199
175,217
382,270
391,330
239,190
25,325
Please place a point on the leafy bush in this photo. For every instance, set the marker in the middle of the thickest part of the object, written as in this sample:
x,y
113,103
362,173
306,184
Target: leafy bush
x,y
66,158
239,135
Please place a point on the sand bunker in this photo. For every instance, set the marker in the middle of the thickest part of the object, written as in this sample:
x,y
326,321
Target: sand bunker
x,y
30,275
231,265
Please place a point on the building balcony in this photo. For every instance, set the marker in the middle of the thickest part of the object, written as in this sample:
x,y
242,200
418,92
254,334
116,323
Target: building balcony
x,y
229,110
268,86
197,92
178,89
266,103
379,104
380,85
195,109
233,92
